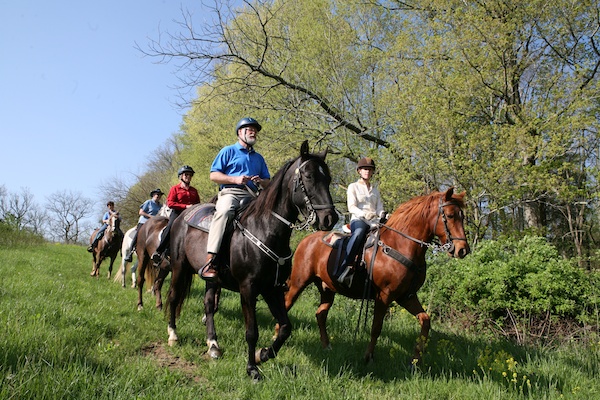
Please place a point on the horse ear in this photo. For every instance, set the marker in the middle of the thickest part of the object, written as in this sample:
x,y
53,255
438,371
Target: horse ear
x,y
304,149
449,193
323,153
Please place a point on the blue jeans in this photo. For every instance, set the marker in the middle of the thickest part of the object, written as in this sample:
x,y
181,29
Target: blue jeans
x,y
359,229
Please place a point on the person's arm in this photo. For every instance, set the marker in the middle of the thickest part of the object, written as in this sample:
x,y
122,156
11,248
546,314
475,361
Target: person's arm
x,y
222,179
144,210
352,200
173,200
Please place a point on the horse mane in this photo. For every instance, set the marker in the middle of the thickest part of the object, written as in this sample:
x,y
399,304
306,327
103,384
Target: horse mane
x,y
414,211
266,201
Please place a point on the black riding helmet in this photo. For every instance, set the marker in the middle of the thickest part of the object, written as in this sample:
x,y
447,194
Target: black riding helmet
x,y
185,168
155,191
247,122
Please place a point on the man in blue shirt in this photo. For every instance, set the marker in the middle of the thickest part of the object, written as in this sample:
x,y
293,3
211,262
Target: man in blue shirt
x,y
240,172
148,209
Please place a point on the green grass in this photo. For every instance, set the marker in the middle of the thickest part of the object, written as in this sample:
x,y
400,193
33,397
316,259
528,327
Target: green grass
x,y
66,335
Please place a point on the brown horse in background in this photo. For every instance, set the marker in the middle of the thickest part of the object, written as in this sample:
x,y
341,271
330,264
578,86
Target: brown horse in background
x,y
147,242
108,246
120,276
398,270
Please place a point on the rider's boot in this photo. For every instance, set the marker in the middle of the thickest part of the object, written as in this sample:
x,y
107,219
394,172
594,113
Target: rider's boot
x,y
129,256
208,272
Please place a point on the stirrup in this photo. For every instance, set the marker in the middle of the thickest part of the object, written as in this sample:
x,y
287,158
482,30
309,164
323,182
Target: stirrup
x,y
208,272
347,276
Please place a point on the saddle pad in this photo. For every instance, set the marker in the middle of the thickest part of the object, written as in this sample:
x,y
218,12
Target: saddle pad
x,y
334,238
200,216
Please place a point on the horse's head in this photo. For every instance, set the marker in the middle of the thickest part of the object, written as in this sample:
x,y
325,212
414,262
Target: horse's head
x,y
311,189
449,223
114,224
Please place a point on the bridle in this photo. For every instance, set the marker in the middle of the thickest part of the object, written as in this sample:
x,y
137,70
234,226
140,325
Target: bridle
x,y
312,216
310,207
447,247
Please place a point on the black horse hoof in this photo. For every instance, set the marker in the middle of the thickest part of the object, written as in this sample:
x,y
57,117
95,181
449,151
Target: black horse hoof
x,y
254,374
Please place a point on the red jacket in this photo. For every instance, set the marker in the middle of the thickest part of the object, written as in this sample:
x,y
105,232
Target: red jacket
x,y
179,198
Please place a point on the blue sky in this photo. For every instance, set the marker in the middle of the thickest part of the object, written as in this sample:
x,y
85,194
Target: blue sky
x,y
79,105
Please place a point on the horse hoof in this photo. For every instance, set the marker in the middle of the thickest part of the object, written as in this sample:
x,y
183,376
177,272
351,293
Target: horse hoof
x,y
140,307
254,374
214,352
172,336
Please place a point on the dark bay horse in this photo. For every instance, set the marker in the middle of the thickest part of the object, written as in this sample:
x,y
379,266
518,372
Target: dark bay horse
x,y
108,246
147,242
398,270
257,257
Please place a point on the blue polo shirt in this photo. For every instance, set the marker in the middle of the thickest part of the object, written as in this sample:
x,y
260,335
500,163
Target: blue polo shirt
x,y
236,160
150,207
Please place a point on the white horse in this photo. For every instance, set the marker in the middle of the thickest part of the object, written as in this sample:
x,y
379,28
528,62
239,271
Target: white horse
x,y
121,272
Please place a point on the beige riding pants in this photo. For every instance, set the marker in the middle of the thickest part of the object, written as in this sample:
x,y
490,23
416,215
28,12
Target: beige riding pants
x,y
227,203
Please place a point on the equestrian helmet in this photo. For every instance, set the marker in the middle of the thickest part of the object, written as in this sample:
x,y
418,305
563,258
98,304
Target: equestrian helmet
x,y
156,191
185,168
248,122
366,162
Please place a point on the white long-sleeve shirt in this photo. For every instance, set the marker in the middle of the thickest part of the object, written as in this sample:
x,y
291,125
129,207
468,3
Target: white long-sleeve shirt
x,y
362,200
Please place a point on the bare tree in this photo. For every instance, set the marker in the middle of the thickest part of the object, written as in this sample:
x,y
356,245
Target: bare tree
x,y
67,211
19,211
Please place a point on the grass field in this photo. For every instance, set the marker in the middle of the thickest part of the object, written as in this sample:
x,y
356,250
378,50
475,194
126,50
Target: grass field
x,y
66,335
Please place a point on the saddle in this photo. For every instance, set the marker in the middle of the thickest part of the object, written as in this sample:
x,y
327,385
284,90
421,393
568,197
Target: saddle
x,y
339,240
200,215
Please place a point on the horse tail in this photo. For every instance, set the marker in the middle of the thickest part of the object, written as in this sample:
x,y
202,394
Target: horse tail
x,y
150,274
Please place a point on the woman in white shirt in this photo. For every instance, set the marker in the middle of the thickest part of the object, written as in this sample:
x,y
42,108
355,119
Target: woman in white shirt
x,y
364,205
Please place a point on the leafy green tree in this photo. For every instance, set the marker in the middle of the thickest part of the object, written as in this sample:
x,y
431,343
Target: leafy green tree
x,y
498,98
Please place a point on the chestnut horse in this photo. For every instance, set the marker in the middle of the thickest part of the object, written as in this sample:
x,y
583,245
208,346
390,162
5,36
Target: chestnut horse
x,y
122,271
108,246
398,269
256,259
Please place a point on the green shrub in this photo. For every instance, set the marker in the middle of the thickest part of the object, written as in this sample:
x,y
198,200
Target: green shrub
x,y
507,279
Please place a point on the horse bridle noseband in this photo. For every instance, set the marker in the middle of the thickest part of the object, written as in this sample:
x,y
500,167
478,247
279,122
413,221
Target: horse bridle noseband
x,y
298,183
446,247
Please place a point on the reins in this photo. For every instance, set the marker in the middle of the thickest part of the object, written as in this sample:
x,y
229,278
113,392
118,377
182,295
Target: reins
x,y
298,183
396,255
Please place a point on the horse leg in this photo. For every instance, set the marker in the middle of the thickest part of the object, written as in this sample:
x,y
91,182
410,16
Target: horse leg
x,y
413,305
276,302
378,314
96,264
248,300
211,299
327,297
110,266
142,265
133,278
123,271
158,284
297,282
